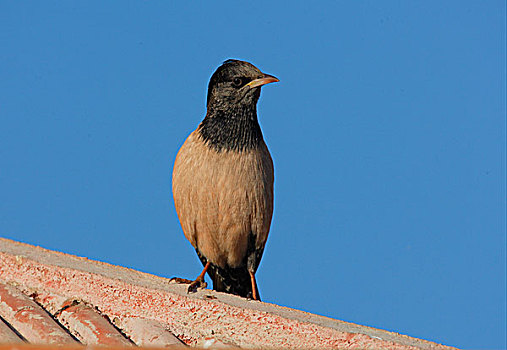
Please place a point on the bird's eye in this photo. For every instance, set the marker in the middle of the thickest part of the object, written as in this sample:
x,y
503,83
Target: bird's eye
x,y
237,82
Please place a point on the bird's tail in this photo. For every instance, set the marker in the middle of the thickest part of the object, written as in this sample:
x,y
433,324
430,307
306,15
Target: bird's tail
x,y
232,280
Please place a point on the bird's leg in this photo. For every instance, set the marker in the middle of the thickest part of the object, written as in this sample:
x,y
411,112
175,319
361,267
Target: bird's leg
x,y
254,286
199,281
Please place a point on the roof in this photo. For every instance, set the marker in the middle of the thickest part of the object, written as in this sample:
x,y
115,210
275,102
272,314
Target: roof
x,y
47,297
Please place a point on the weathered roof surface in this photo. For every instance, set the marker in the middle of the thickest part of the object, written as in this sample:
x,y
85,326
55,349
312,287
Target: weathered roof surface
x,y
48,297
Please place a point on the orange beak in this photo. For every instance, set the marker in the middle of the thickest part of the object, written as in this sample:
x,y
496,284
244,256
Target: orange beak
x,y
266,79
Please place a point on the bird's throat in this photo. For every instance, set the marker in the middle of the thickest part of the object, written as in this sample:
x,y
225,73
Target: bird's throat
x,y
232,129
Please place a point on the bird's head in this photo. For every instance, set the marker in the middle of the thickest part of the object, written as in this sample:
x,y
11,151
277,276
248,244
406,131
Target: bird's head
x,y
236,83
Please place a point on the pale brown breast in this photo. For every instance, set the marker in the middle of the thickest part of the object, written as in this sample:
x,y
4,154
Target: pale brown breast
x,y
223,197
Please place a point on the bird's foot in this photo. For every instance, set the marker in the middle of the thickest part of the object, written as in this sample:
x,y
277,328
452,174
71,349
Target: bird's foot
x,y
193,285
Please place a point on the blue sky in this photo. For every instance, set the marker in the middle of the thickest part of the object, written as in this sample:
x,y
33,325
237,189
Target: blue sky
x,y
387,132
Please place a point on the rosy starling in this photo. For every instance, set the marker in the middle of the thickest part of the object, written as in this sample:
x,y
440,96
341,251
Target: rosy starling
x,y
223,182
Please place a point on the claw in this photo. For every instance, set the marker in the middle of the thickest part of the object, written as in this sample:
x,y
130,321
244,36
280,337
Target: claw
x,y
192,288
194,285
180,280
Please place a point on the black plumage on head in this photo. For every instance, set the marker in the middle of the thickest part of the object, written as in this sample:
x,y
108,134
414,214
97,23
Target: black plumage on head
x,y
231,119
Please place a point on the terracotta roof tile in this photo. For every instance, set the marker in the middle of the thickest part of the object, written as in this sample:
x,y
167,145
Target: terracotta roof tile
x,y
29,319
90,327
7,335
49,297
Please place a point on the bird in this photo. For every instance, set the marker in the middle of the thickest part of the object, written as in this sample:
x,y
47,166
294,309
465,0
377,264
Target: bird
x,y
223,182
